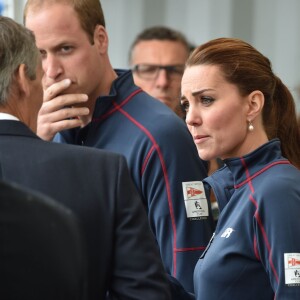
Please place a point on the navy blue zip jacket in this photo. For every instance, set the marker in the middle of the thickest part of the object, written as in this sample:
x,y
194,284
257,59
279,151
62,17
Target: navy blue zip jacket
x,y
255,251
164,164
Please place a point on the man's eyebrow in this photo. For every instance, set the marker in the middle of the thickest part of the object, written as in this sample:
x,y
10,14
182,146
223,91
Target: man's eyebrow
x,y
57,46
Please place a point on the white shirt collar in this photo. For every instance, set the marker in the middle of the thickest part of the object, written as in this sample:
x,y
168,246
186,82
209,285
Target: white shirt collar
x,y
5,116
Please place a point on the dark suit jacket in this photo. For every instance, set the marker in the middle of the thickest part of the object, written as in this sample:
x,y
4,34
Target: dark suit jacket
x,y
42,252
96,185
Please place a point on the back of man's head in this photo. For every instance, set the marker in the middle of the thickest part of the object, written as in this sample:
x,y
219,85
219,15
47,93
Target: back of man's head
x,y
17,46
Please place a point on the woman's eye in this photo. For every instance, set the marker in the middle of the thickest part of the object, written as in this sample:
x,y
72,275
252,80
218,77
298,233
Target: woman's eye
x,y
206,100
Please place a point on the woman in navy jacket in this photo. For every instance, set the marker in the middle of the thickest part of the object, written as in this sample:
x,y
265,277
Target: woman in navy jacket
x,y
239,110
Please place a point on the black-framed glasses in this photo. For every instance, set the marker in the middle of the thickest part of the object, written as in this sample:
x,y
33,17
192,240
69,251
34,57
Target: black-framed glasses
x,y
150,72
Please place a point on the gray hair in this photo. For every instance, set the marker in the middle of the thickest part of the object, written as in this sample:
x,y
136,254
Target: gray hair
x,y
17,46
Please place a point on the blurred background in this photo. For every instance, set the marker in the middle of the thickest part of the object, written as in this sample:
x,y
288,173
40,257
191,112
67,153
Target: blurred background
x,y
272,26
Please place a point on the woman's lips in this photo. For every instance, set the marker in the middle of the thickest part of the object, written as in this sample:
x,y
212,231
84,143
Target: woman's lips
x,y
199,139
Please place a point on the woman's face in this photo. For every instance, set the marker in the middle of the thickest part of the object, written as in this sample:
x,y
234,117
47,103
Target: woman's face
x,y
216,113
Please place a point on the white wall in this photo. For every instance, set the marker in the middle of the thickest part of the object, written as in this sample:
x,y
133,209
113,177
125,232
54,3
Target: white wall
x,y
272,26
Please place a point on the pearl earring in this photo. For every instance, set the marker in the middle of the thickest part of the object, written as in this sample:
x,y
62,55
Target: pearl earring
x,y
250,126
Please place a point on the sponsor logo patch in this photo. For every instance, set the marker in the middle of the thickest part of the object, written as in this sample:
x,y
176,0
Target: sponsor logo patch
x,y
195,200
292,269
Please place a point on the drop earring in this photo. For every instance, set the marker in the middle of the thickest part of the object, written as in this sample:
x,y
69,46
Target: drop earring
x,y
250,126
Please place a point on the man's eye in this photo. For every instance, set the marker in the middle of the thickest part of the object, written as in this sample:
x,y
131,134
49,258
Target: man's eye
x,y
185,105
177,70
66,49
148,69
43,53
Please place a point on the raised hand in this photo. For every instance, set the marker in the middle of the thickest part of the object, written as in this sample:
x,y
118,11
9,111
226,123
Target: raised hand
x,y
60,111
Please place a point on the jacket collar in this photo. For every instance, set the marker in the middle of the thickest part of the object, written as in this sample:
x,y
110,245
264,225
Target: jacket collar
x,y
12,127
122,87
249,166
238,171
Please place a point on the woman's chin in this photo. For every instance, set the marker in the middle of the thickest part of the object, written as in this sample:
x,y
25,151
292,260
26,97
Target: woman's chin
x,y
204,155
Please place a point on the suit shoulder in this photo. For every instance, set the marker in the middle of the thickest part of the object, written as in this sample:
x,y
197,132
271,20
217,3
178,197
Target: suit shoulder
x,y
83,152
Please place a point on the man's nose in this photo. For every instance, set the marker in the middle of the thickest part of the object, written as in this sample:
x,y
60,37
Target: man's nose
x,y
162,78
52,67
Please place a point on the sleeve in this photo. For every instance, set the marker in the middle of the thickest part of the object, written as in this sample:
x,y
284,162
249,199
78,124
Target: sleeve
x,y
137,269
179,214
277,226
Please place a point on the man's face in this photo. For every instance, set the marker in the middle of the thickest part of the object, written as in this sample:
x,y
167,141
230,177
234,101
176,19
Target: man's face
x,y
164,85
66,50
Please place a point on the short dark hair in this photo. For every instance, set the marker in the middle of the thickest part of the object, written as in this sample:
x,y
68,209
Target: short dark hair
x,y
162,33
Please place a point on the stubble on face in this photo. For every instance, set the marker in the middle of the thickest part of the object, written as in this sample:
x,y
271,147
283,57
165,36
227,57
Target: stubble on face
x,y
67,52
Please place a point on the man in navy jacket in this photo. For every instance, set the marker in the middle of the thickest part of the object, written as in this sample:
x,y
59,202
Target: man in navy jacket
x,y
87,102
123,259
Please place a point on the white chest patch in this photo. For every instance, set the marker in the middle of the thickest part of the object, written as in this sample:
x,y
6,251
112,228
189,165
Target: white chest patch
x,y
195,199
292,269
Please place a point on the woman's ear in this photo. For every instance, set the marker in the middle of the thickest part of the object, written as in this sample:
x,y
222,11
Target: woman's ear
x,y
256,101
101,39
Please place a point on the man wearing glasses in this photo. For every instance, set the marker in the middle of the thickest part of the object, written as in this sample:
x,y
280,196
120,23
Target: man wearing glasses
x,y
157,57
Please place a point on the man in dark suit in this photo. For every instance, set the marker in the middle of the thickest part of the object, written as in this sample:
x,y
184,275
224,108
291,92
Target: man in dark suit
x,y
123,259
42,252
